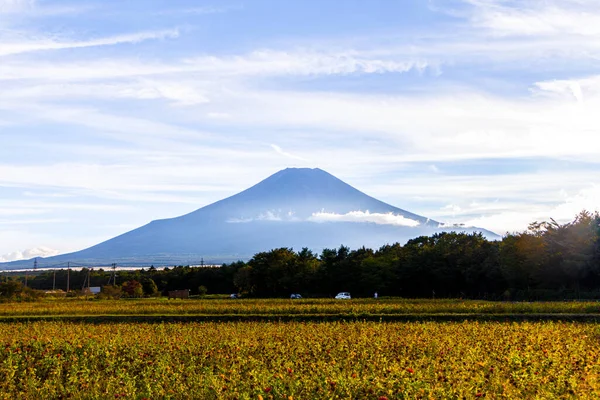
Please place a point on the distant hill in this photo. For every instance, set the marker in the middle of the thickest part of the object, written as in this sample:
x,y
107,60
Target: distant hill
x,y
296,207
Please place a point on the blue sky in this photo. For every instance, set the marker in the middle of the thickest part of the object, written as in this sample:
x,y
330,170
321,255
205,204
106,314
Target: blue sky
x,y
115,113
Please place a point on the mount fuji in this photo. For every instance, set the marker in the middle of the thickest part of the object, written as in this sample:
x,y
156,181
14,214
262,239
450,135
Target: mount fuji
x,y
295,207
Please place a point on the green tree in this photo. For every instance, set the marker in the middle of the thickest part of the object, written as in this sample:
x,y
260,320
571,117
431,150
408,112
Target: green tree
x,y
243,280
10,289
273,271
133,288
149,287
111,292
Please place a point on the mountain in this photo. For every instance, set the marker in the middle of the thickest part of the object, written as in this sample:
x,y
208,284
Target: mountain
x,y
296,207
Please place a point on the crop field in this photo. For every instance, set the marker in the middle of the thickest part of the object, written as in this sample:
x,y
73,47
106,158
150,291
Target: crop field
x,y
250,360
283,358
284,307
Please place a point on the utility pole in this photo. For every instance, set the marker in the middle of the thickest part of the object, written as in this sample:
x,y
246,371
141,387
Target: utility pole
x,y
87,292
68,275
84,281
26,271
114,276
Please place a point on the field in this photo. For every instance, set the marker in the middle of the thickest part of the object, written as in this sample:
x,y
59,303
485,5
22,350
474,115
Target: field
x,y
250,360
312,309
351,357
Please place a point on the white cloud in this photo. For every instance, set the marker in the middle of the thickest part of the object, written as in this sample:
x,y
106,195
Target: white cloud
x,y
107,110
279,150
320,217
29,254
85,70
125,128
16,210
32,207
443,126
500,202
9,47
586,199
535,17
504,222
269,215
452,208
181,94
15,6
31,221
178,94
580,89
257,63
515,216
447,127
305,62
218,115
364,216
199,10
239,220
23,9
518,35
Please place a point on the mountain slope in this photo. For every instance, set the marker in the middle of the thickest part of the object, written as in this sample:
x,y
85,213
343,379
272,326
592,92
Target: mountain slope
x,y
295,207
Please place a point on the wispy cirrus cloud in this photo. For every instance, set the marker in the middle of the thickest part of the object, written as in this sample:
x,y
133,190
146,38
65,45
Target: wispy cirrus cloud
x,y
11,46
206,10
581,89
257,63
279,150
536,18
15,6
308,62
35,9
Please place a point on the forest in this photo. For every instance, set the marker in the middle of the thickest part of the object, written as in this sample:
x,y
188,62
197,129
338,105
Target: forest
x,y
549,261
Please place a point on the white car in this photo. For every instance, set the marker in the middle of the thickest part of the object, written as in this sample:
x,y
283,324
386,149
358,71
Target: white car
x,y
343,296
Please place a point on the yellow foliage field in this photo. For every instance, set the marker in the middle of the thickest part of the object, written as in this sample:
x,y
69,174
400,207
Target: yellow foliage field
x,y
300,360
393,306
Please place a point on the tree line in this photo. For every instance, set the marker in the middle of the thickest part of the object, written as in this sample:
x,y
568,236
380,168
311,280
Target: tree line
x,y
547,261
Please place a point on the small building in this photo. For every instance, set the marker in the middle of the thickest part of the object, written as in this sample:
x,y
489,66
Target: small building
x,y
95,289
92,290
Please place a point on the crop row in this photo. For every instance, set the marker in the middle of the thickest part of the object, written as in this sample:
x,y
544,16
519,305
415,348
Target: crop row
x,y
290,307
300,360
